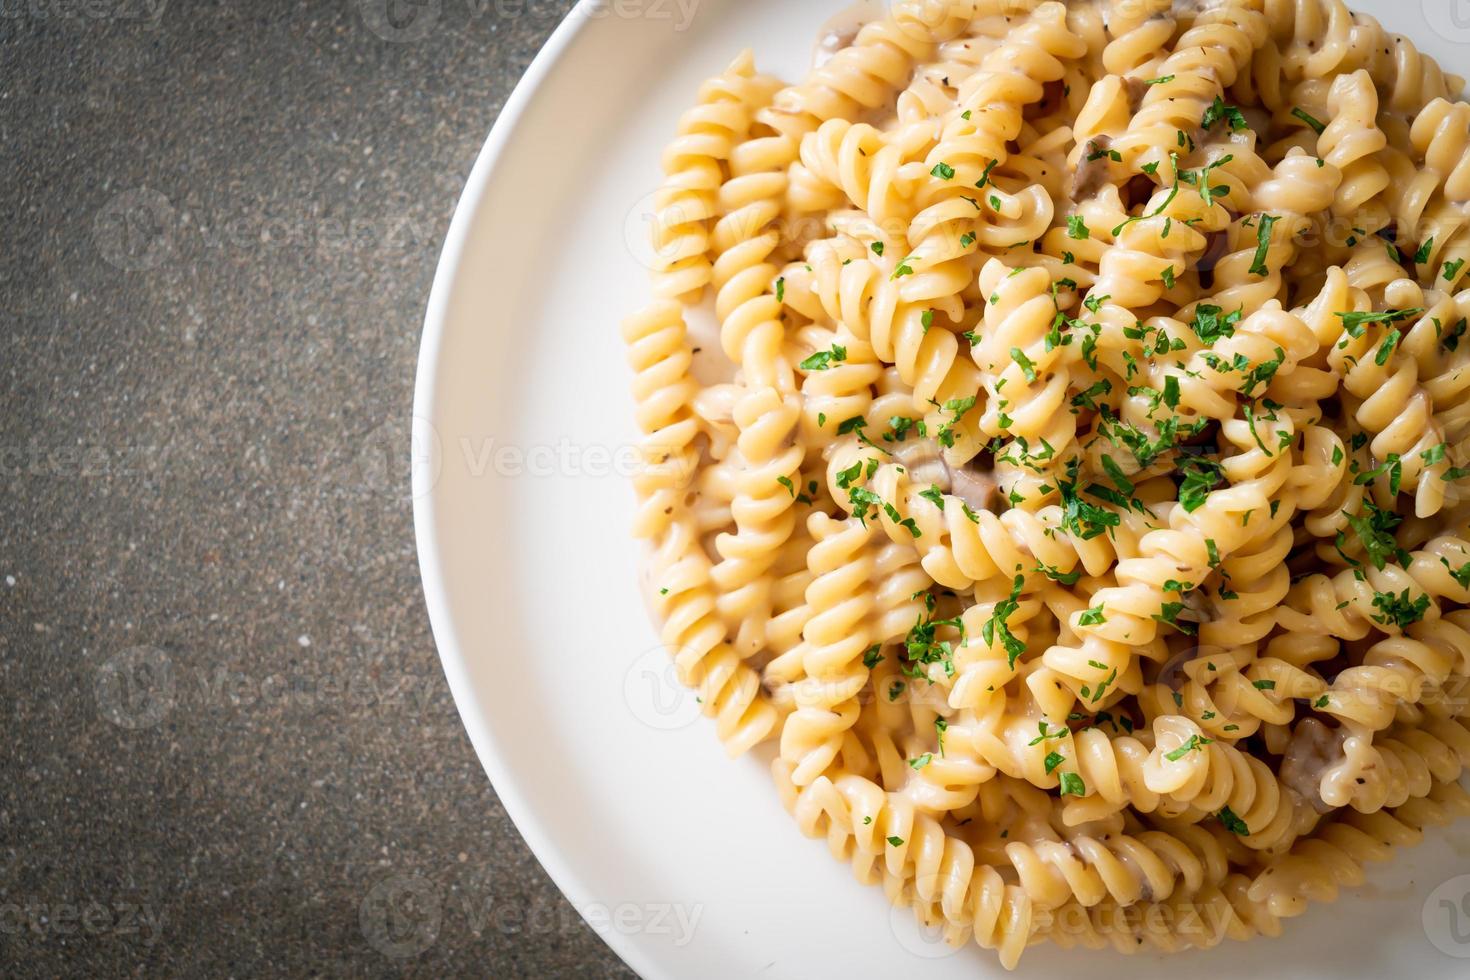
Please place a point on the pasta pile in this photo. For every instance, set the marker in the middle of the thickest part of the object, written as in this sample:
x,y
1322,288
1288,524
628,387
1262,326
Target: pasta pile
x,y
1074,493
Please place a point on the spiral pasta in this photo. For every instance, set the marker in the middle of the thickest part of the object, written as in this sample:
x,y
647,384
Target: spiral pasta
x,y
1076,495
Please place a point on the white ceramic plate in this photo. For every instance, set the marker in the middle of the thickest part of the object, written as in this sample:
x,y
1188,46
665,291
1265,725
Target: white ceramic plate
x,y
685,862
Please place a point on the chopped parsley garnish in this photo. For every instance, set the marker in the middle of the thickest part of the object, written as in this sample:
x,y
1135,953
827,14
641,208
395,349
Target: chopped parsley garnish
x,y
943,171
996,625
1460,575
1169,614
1171,391
1092,616
857,424
1200,179
1077,228
1085,520
922,646
1385,350
1062,732
823,359
1072,577
1195,744
1263,244
1374,530
1072,785
1027,366
1233,823
1262,373
1173,193
1353,322
956,409
1317,125
1219,110
1392,465
1451,340
1399,610
1053,760
907,523
1085,399
1210,326
1119,478
934,495
877,248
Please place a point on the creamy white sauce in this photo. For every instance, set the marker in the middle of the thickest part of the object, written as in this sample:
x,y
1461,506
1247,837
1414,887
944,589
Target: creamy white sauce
x,y
710,367
842,28
1314,748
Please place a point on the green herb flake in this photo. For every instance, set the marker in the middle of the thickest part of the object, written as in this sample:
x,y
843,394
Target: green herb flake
x,y
1195,744
1263,244
1233,823
1317,126
822,360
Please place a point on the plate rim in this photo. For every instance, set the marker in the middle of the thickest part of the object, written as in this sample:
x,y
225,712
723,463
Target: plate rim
x,y
424,487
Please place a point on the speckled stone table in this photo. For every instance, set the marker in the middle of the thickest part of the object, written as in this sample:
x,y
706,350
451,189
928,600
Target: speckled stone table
x,y
228,747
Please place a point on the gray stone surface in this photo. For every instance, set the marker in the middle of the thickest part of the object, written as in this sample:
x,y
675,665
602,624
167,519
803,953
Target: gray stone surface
x,y
228,747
